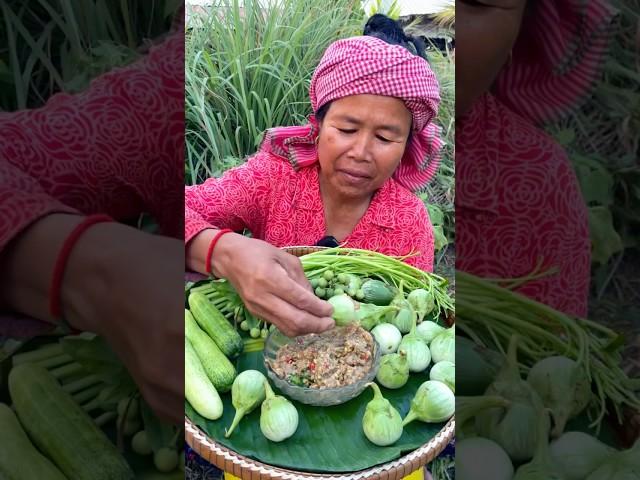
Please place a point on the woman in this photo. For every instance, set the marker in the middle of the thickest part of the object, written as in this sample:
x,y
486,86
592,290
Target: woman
x,y
347,174
518,206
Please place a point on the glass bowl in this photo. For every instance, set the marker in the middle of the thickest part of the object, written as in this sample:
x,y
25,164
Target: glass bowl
x,y
321,397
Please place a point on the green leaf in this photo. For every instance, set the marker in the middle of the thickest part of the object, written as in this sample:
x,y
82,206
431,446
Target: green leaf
x,y
96,356
596,183
435,214
440,239
605,241
597,187
565,136
328,439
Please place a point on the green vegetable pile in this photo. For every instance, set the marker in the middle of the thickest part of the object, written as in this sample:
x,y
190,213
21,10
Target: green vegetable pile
x,y
513,416
401,306
211,342
366,264
365,276
490,315
84,417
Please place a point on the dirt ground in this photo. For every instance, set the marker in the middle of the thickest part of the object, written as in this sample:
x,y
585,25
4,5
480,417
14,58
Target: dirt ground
x,y
617,305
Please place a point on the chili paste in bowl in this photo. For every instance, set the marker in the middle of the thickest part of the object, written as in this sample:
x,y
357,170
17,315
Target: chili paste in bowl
x,y
322,369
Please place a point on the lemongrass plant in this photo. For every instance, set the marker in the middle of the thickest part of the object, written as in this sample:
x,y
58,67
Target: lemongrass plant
x,y
446,17
248,69
48,46
602,140
441,191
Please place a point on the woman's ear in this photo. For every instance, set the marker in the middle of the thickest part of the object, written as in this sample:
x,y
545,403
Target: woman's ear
x,y
320,124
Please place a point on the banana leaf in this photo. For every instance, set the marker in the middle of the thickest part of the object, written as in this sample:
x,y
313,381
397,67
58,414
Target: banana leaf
x,y
328,439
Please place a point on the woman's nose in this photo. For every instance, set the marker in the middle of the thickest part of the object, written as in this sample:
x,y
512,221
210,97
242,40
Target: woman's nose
x,y
361,147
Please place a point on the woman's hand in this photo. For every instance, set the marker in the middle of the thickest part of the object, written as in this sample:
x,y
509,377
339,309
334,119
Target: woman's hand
x,y
270,281
119,282
132,295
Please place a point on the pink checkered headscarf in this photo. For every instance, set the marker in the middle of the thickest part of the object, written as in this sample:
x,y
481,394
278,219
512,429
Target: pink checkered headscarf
x,y
557,57
368,65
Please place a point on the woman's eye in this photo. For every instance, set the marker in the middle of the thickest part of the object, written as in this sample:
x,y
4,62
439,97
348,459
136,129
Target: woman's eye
x,y
381,138
347,130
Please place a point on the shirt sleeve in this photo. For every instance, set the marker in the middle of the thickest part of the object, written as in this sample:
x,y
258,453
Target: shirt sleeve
x,y
239,199
116,148
22,201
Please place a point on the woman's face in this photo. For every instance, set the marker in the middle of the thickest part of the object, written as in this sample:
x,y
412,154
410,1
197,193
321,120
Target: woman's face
x,y
361,142
485,33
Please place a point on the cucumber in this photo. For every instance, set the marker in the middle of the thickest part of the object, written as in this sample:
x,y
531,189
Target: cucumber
x,y
61,429
217,327
217,367
198,389
18,457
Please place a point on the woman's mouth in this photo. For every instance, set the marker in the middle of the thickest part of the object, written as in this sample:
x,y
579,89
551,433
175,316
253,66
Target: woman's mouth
x,y
354,177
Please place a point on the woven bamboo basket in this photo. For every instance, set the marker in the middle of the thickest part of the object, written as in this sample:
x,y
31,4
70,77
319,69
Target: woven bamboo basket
x,y
249,469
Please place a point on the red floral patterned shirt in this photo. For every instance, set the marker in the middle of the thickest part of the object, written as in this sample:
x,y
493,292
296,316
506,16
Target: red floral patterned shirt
x,y
116,148
519,207
284,207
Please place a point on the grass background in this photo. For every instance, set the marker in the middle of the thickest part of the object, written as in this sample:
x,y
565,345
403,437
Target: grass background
x,y
48,46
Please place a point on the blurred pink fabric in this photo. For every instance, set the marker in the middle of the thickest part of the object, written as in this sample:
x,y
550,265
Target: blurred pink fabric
x,y
518,201
116,148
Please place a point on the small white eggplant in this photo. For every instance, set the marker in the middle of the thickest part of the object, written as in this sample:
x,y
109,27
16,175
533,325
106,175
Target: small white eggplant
x,y
381,423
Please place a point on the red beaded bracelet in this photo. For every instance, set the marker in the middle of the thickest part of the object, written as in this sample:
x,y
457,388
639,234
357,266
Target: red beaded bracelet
x,y
55,307
214,240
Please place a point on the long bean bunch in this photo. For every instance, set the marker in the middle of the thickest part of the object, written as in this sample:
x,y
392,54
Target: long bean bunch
x,y
490,314
389,269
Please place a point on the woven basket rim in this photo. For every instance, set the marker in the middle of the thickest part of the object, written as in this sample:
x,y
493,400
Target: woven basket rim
x,y
222,456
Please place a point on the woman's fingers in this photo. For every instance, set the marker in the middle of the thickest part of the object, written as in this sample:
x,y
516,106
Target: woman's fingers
x,y
290,320
293,268
285,288
273,286
167,405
